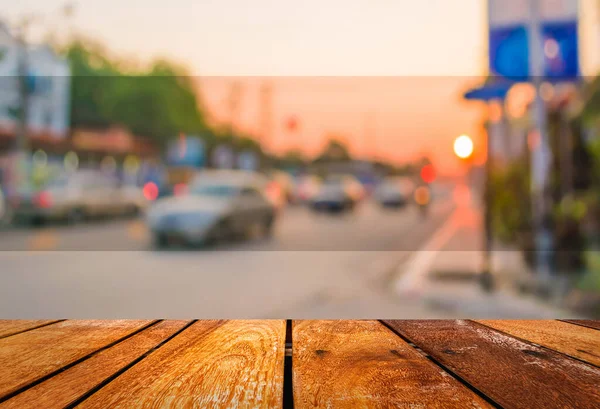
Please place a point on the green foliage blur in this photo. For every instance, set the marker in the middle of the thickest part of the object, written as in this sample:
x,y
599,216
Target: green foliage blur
x,y
157,103
510,205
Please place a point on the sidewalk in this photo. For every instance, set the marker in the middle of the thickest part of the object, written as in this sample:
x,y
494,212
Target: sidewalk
x,y
444,275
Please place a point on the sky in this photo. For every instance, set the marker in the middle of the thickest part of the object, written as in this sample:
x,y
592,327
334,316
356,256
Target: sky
x,y
384,75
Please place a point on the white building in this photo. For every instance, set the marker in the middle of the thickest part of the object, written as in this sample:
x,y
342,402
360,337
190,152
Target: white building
x,y
49,100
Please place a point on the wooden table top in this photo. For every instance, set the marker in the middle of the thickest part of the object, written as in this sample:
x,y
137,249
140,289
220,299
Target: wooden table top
x,y
299,364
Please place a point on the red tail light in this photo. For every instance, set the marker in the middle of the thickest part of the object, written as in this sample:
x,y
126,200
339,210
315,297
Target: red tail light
x,y
43,200
150,191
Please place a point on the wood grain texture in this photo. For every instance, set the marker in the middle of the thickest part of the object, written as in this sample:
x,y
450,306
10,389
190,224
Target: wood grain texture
x,y
11,327
573,340
211,364
362,364
586,323
513,373
29,356
66,387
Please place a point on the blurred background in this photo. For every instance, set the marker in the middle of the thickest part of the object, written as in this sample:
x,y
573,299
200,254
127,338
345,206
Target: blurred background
x,y
283,159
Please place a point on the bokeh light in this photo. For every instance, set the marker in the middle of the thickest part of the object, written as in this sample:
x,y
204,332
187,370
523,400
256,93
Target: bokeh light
x,y
463,147
40,158
150,191
71,161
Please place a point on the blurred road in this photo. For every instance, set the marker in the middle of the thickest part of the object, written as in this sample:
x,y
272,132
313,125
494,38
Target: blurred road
x,y
316,266
109,270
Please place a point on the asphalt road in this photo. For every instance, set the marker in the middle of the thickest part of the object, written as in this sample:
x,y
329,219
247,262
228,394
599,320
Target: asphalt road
x,y
314,266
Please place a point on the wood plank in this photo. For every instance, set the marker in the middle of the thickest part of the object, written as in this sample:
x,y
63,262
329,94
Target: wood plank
x,y
573,340
67,387
12,327
586,323
29,356
362,364
513,373
211,364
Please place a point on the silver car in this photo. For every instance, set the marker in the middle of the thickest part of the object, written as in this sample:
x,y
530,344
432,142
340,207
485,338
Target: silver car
x,y
218,205
77,196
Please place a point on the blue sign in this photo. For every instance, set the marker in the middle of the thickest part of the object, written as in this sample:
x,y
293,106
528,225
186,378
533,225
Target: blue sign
x,y
188,151
509,52
38,84
489,92
561,51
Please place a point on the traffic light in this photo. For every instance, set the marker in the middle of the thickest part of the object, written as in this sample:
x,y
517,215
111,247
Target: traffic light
x,y
428,173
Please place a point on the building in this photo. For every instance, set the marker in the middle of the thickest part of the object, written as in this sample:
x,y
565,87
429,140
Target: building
x,y
49,89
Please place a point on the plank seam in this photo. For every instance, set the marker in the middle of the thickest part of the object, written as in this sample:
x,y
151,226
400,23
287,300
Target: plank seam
x,y
288,387
31,329
579,324
76,362
121,371
534,344
450,372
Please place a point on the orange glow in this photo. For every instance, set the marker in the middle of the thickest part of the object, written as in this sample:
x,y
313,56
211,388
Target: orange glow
x,y
495,112
518,98
150,191
422,195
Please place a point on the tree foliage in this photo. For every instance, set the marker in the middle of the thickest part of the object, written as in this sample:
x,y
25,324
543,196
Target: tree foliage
x,y
158,103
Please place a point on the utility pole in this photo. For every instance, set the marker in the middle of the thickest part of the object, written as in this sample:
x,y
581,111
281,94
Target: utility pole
x,y
266,113
540,155
370,136
234,105
21,146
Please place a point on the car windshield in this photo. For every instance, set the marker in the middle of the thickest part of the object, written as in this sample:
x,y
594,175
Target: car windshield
x,y
212,190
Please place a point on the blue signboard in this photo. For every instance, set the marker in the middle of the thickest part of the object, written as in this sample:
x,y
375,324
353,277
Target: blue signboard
x,y
489,92
561,51
188,151
509,52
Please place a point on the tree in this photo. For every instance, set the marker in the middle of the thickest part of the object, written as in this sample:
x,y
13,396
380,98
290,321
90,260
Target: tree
x,y
158,103
335,150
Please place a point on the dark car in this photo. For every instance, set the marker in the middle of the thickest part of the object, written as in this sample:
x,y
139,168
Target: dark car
x,y
338,194
393,193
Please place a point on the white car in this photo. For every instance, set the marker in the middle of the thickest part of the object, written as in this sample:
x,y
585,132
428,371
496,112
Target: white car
x,y
86,193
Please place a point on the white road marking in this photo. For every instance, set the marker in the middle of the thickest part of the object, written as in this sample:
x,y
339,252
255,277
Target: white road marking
x,y
414,271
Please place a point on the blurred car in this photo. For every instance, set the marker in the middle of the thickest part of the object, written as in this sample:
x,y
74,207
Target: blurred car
x,y
76,196
306,188
393,193
338,193
219,205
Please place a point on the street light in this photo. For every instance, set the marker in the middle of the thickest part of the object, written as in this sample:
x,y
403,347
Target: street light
x,y
463,147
